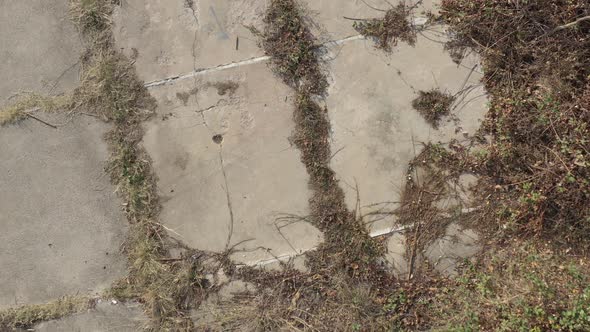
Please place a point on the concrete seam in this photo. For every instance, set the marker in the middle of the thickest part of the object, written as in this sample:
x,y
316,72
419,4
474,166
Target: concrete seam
x,y
286,257
419,21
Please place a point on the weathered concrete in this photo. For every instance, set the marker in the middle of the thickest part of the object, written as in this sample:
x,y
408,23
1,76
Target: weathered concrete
x,y
458,244
39,47
329,15
251,163
106,317
62,225
176,37
396,254
459,196
375,130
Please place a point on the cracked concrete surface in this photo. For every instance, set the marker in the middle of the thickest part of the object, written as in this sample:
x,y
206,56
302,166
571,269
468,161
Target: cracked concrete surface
x,y
162,34
228,174
446,253
250,173
106,317
42,57
375,131
62,225
175,37
374,127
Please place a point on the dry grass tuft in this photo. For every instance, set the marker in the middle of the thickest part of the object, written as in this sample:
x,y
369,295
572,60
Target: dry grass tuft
x,y
27,316
388,30
293,48
433,105
110,88
31,102
91,16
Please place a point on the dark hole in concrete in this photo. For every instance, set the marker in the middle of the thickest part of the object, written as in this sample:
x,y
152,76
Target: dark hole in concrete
x,y
217,138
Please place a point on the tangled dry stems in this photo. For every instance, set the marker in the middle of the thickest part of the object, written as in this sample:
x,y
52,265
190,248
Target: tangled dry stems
x,y
293,48
537,77
387,30
433,105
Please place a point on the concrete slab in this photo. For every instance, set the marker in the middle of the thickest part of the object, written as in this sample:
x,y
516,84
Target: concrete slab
x,y
175,37
62,225
459,196
106,317
40,47
449,251
375,130
210,143
396,255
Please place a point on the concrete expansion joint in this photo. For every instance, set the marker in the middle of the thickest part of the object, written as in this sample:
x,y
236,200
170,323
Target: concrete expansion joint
x,y
287,257
418,21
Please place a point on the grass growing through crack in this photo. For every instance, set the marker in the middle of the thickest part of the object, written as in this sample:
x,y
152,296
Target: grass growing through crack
x,y
30,102
26,316
433,105
393,26
346,287
285,37
293,47
92,16
110,88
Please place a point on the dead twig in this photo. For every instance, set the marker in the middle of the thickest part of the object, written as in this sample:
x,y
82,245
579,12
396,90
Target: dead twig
x,y
568,25
42,121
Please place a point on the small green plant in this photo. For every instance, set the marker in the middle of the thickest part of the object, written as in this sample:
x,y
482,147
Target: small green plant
x,y
395,302
578,317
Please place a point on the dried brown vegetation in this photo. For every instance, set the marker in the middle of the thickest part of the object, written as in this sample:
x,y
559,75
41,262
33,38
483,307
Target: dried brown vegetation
x,y
537,73
288,39
433,105
110,88
393,26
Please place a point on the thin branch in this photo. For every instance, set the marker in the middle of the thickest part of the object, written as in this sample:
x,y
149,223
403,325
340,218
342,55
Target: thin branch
x,y
571,24
229,205
42,121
